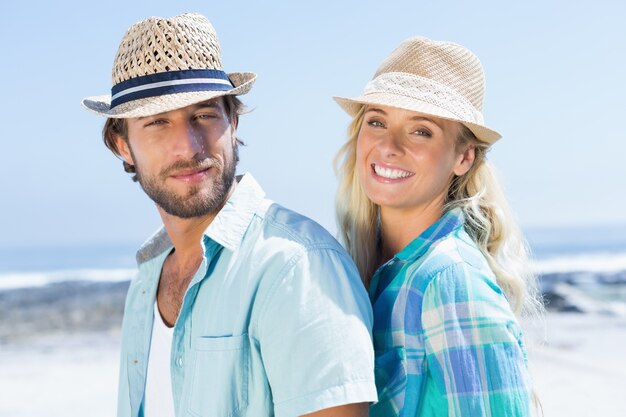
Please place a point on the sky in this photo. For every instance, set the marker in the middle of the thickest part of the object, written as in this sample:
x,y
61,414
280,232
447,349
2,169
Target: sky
x,y
555,90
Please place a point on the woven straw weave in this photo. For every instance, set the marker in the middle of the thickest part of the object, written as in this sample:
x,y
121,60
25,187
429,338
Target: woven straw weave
x,y
157,45
414,87
447,63
442,79
160,45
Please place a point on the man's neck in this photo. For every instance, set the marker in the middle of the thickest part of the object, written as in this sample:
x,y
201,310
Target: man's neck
x,y
186,234
182,263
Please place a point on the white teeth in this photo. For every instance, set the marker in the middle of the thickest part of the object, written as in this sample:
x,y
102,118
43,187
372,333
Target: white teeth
x,y
391,173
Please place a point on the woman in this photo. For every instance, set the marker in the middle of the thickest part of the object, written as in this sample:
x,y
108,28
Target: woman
x,y
424,218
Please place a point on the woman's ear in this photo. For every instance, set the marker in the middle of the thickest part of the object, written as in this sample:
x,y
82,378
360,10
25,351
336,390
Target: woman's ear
x,y
465,160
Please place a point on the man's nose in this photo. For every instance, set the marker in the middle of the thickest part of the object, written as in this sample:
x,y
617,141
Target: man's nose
x,y
189,141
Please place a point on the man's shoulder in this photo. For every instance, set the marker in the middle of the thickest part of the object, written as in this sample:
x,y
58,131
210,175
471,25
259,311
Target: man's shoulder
x,y
277,229
153,246
298,229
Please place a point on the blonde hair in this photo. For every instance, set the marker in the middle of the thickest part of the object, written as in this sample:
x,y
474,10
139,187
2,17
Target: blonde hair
x,y
357,216
488,220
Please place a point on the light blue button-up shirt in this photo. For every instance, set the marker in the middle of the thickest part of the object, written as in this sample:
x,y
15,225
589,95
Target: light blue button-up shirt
x,y
275,321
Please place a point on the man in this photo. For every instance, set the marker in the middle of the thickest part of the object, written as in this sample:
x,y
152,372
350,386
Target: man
x,y
240,307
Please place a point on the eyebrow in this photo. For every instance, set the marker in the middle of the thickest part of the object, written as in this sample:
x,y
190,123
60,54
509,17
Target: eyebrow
x,y
413,118
207,104
210,104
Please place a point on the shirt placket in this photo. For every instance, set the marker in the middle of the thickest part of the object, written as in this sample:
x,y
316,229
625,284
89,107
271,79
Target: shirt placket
x,y
183,330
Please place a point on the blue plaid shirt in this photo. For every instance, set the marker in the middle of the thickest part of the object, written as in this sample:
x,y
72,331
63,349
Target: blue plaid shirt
x,y
445,339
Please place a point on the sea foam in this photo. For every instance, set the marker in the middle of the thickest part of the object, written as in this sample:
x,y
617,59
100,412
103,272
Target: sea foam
x,y
590,262
14,280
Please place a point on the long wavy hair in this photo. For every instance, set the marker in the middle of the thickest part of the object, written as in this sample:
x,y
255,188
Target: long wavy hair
x,y
488,220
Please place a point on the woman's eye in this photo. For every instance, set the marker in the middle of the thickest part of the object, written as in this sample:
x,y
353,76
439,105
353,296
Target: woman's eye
x,y
375,123
423,132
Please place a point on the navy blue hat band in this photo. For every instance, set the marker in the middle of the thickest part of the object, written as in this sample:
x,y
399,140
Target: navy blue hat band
x,y
168,83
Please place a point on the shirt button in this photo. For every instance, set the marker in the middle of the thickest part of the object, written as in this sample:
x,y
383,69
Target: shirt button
x,y
179,361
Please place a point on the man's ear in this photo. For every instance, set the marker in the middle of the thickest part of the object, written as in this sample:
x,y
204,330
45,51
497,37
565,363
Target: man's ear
x,y
124,150
465,160
233,128
235,122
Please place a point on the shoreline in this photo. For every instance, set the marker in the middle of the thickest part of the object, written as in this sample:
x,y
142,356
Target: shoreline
x,y
60,344
65,308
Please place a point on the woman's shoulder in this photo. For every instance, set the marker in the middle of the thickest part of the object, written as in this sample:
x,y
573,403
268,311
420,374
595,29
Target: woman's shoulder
x,y
453,261
459,273
455,264
455,250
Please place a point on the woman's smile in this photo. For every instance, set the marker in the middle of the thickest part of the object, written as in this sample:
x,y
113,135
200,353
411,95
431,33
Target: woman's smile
x,y
388,174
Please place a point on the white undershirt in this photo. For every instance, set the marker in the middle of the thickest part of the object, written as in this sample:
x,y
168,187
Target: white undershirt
x,y
159,401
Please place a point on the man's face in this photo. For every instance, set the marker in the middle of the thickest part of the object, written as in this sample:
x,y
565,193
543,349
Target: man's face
x,y
185,159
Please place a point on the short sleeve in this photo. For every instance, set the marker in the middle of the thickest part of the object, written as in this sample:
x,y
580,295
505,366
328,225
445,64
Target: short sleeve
x,y
315,336
474,345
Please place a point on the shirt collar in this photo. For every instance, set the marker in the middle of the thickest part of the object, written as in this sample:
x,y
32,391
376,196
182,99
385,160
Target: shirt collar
x,y
450,221
233,220
228,227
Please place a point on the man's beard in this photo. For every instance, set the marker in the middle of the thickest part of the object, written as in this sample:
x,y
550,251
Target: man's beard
x,y
196,203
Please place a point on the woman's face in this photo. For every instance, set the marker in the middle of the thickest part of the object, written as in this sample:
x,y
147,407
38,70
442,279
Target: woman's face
x,y
406,160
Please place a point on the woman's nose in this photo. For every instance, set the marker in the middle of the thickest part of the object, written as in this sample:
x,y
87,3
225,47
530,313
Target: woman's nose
x,y
390,143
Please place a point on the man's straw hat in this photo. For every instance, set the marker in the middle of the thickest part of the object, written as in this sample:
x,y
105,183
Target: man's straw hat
x,y
434,78
167,64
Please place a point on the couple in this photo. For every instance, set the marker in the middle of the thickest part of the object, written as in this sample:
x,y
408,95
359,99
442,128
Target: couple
x,y
244,308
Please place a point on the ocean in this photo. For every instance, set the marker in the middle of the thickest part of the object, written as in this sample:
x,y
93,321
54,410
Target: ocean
x,y
591,259
61,310
42,265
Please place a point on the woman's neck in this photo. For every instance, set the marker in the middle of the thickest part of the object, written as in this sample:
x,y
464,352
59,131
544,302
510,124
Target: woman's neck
x,y
399,227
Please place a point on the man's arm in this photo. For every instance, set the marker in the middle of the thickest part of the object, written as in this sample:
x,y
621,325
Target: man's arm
x,y
348,410
314,337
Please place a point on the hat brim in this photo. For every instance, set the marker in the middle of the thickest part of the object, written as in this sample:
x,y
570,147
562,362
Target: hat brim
x,y
353,105
242,82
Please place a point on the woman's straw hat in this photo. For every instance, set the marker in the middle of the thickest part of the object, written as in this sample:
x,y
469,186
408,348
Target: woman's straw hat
x,y
167,64
435,78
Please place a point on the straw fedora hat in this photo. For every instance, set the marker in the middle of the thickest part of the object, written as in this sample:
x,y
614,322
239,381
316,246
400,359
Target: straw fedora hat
x,y
167,64
435,78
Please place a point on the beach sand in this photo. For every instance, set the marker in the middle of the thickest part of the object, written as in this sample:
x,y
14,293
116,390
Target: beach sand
x,y
60,376
581,370
72,370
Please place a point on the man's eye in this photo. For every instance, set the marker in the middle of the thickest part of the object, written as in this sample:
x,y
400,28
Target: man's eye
x,y
155,122
206,116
